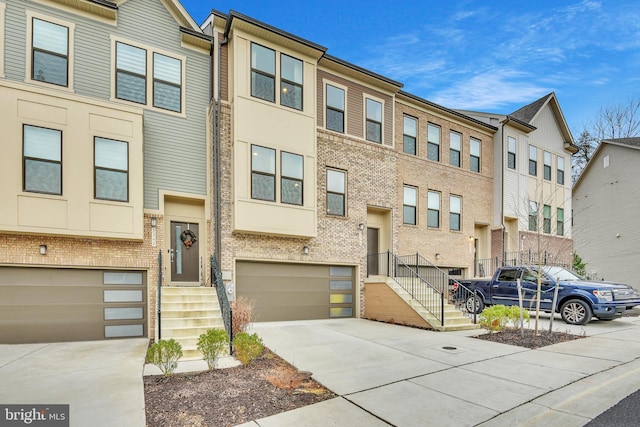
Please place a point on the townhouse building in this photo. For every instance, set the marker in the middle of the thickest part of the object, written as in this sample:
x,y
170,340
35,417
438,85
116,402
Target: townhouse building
x,y
602,235
325,165
104,165
532,187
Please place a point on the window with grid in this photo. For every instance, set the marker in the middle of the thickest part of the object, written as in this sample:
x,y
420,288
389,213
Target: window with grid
x,y
455,213
533,216
50,53
291,180
533,161
547,166
560,222
374,121
433,209
410,204
290,82
335,108
546,219
263,72
131,73
263,173
433,142
336,194
42,160
167,82
474,151
511,152
455,148
111,169
560,172
410,132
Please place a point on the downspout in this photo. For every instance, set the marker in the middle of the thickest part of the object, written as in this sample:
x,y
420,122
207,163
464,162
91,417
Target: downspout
x,y
502,189
216,146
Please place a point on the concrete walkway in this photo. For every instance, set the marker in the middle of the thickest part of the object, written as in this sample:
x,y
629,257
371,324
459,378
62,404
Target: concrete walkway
x,y
394,375
101,381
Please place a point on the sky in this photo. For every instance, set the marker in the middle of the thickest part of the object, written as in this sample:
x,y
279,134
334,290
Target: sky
x,y
484,55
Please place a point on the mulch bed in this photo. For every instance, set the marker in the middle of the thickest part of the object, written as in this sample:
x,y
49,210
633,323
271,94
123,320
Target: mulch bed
x,y
227,397
513,336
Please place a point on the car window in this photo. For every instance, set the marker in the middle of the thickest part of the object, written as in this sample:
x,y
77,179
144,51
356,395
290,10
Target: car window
x,y
507,276
529,276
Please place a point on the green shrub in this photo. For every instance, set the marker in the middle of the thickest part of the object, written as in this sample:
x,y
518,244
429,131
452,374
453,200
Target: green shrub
x,y
247,347
213,344
165,355
496,317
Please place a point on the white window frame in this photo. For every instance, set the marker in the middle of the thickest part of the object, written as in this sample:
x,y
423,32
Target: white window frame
x,y
560,168
405,203
439,143
439,209
150,50
29,55
547,159
453,197
365,97
406,117
473,140
459,149
344,113
510,140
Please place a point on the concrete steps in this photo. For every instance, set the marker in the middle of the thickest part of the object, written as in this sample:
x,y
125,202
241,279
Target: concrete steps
x,y
188,312
454,319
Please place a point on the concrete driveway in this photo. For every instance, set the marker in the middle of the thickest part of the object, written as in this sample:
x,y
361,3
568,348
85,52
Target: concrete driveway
x,y
393,375
100,380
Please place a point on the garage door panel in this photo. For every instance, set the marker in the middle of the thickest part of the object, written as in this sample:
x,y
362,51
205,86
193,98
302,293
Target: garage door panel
x,y
51,305
296,291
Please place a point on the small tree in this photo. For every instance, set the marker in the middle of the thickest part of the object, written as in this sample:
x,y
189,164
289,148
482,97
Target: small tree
x,y
165,355
579,266
212,345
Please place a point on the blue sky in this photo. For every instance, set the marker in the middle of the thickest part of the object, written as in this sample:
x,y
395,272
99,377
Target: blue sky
x,y
483,55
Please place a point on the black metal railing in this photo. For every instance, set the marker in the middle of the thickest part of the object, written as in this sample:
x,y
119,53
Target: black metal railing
x,y
159,296
225,307
486,267
407,273
464,300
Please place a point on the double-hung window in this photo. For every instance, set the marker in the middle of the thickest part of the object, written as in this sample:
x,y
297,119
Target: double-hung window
x,y
292,176
547,166
50,53
263,72
433,209
409,206
455,213
336,192
42,160
131,73
511,152
474,151
533,216
111,169
410,132
560,172
263,173
433,142
167,82
335,108
560,222
533,161
455,148
374,121
546,219
290,82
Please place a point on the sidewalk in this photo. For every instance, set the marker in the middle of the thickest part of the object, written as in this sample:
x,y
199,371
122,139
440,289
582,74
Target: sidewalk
x,y
393,375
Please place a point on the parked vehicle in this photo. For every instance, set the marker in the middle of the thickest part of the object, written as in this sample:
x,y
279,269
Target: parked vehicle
x,y
578,299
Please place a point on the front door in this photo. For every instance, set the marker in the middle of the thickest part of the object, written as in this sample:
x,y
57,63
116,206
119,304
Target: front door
x,y
185,256
372,251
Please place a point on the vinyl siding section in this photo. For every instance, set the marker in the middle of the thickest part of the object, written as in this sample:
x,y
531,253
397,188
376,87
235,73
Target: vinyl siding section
x,y
175,147
606,203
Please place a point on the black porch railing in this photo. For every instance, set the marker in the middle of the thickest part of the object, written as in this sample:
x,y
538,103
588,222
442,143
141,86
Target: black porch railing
x,y
413,275
486,267
225,307
159,296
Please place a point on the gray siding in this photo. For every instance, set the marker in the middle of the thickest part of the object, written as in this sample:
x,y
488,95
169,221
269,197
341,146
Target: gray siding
x,y
174,147
606,204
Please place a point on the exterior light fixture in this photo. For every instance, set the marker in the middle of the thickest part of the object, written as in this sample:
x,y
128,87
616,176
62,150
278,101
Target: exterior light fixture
x,y
305,250
438,256
154,221
43,249
361,226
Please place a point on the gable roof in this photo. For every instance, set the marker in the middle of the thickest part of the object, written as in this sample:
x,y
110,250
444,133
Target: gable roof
x,y
529,112
631,143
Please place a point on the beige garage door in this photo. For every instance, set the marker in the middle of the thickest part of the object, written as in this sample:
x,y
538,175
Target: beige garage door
x,y
296,291
50,304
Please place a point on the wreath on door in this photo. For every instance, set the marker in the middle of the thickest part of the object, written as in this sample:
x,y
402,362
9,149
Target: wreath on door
x,y
188,238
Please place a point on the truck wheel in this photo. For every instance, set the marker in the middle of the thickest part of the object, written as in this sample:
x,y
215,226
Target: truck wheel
x,y
479,304
576,312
